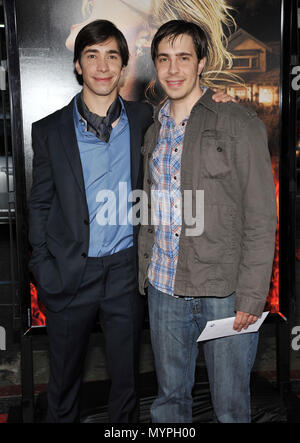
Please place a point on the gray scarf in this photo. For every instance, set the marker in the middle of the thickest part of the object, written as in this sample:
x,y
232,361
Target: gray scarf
x,y
100,126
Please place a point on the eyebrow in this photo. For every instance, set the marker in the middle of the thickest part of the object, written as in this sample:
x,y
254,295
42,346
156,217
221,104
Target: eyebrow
x,y
163,54
94,51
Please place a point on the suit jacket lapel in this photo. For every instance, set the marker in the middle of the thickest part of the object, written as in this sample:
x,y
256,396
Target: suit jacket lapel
x,y
69,141
135,144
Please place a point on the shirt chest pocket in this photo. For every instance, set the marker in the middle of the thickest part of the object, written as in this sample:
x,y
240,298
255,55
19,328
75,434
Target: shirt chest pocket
x,y
216,154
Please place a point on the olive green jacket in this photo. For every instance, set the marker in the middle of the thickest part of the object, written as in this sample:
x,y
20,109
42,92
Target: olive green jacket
x,y
225,154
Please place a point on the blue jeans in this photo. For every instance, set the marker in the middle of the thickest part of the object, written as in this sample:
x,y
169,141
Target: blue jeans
x,y
175,325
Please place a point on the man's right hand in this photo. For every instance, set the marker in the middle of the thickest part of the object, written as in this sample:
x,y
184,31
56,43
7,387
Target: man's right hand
x,y
243,320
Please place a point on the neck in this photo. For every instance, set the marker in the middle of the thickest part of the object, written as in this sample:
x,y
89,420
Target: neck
x,y
180,108
98,104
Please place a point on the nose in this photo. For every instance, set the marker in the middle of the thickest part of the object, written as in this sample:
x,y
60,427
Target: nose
x,y
173,66
102,64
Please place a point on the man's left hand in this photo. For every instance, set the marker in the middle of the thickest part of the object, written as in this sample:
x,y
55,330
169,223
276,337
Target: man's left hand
x,y
243,320
221,96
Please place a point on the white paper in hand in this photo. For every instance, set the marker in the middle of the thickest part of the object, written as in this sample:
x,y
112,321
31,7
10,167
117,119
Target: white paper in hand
x,y
224,328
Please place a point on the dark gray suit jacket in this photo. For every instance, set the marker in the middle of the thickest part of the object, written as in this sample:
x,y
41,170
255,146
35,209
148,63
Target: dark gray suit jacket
x,y
58,211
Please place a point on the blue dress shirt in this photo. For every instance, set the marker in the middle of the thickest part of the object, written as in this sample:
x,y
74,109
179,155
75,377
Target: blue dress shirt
x,y
106,171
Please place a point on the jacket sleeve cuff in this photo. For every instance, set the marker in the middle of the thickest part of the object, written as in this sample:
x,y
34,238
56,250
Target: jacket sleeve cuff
x,y
250,306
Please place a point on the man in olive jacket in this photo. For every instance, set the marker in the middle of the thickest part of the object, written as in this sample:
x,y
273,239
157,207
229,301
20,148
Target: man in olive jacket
x,y
207,250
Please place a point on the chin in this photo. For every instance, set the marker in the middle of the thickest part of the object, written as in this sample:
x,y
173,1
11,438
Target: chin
x,y
175,96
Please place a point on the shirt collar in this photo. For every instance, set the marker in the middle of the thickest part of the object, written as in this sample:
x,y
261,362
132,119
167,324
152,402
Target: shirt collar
x,y
165,113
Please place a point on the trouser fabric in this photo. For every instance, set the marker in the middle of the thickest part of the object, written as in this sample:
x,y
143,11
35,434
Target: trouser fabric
x,y
175,325
109,290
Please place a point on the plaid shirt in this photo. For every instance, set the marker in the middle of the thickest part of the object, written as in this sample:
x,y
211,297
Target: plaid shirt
x,y
165,168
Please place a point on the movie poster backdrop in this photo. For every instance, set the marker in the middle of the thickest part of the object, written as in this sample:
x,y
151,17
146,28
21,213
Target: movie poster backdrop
x,y
46,33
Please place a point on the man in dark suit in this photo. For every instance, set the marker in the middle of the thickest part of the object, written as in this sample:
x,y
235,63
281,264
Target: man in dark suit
x,y
84,248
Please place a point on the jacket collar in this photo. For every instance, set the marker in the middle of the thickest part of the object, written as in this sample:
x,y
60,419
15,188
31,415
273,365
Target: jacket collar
x,y
207,101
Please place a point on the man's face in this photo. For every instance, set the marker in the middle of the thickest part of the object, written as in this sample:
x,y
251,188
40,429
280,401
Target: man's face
x,y
178,68
101,68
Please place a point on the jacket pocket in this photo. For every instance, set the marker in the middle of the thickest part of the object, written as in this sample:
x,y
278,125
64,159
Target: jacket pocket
x,y
216,154
47,276
217,244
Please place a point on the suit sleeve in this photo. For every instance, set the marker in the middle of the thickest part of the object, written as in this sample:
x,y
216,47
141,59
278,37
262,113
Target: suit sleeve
x,y
40,199
259,217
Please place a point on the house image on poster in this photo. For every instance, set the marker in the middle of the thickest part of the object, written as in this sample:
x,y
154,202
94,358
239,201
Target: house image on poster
x,y
258,64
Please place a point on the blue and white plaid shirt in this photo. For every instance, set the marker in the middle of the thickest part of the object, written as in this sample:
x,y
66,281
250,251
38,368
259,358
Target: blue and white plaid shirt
x,y
165,169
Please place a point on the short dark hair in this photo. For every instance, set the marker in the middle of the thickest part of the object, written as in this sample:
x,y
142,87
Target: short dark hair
x,y
99,31
175,28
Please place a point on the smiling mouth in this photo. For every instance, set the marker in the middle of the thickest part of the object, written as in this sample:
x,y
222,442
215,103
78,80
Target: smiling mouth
x,y
174,83
102,80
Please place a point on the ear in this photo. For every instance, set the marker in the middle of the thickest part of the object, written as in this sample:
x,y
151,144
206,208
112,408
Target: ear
x,y
123,70
201,65
78,67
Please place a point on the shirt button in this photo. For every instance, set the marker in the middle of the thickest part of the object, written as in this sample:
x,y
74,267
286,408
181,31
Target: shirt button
x,y
175,178
183,124
176,235
175,149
